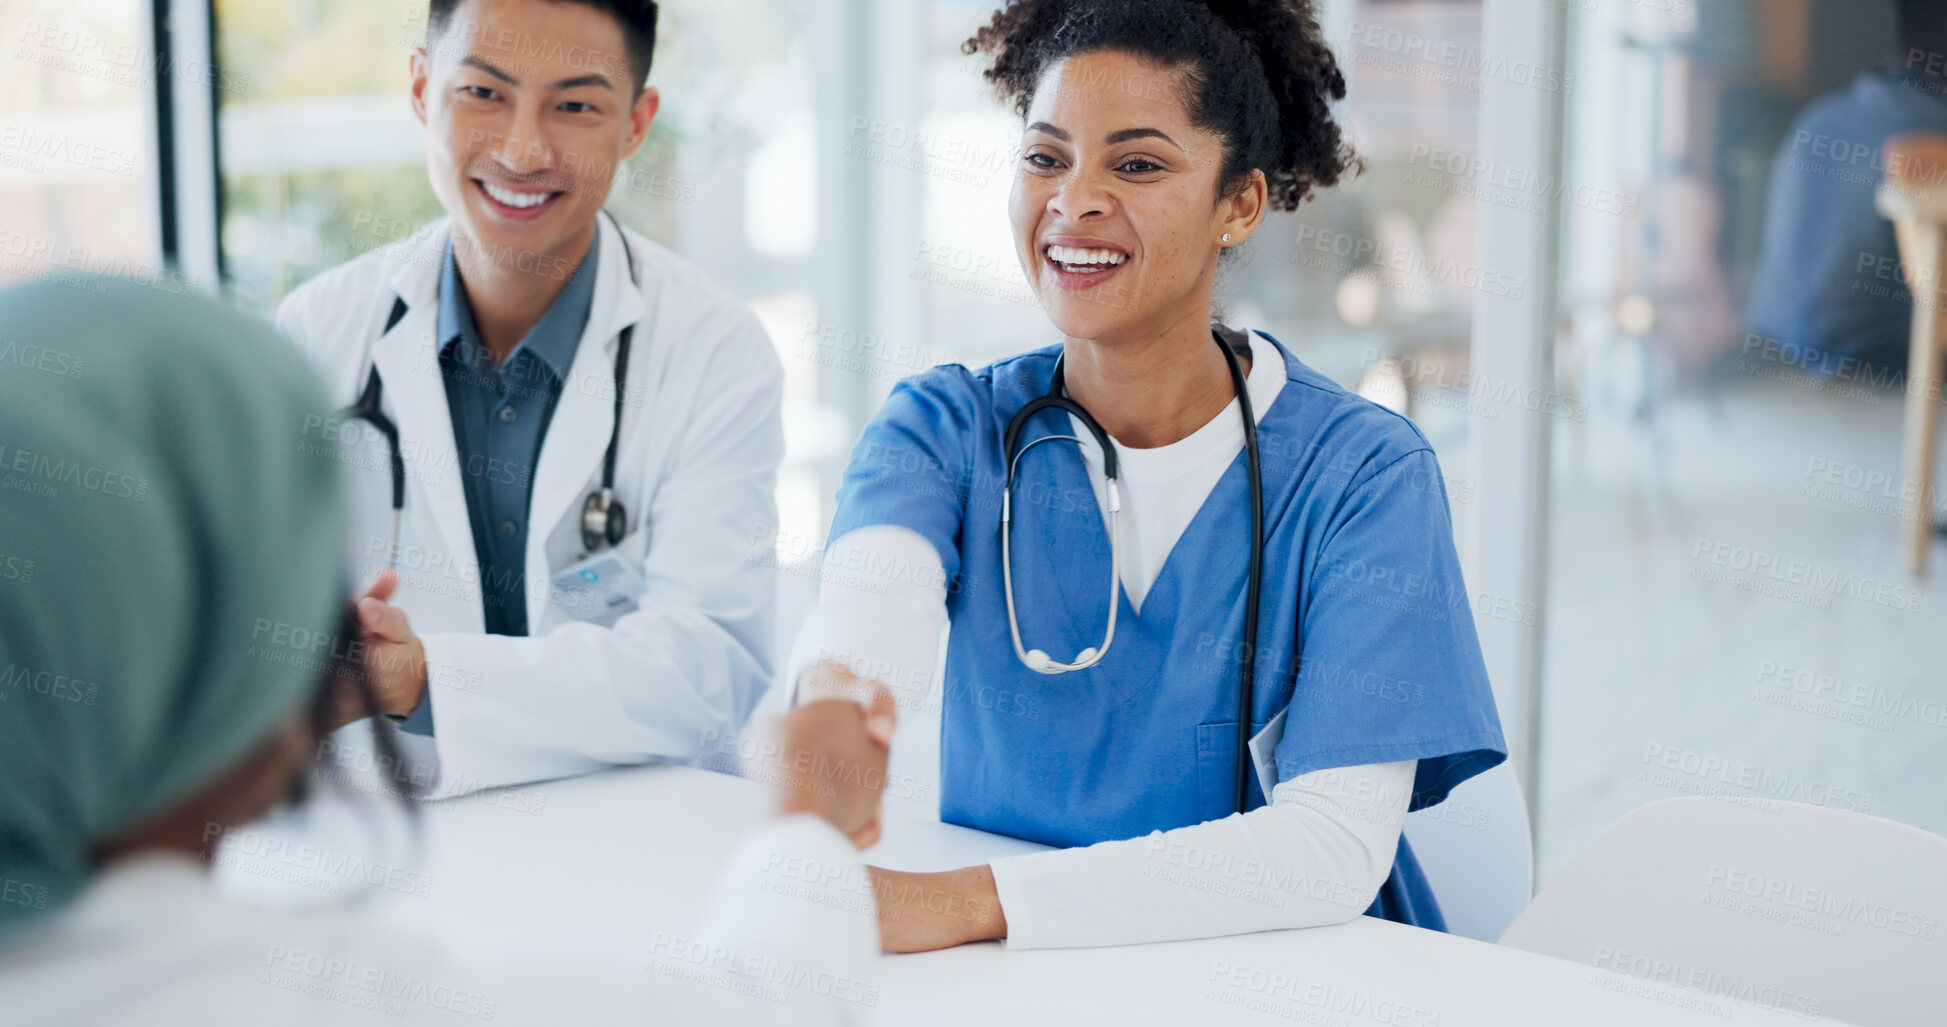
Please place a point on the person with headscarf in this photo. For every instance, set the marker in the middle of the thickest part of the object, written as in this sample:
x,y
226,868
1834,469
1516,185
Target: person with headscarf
x,y
170,529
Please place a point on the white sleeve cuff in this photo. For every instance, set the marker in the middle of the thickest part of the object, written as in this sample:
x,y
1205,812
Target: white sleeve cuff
x,y
1015,906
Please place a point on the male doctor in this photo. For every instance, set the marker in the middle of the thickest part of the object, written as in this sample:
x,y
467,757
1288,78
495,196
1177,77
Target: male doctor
x,y
589,428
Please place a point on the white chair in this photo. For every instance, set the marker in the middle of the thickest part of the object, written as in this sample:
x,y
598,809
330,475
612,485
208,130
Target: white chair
x,y
1813,911
1476,853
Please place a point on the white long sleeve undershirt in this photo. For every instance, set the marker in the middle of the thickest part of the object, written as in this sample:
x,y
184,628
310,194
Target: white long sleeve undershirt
x,y
1316,855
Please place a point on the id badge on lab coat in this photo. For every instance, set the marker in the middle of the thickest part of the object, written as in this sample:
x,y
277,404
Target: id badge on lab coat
x,y
599,588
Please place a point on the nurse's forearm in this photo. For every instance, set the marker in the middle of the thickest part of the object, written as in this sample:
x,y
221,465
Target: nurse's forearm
x,y
1316,856
923,912
880,612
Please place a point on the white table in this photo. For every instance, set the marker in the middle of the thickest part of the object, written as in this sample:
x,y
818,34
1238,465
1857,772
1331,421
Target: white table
x,y
592,868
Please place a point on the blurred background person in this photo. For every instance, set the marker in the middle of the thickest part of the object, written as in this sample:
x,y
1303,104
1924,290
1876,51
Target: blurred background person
x,y
1821,282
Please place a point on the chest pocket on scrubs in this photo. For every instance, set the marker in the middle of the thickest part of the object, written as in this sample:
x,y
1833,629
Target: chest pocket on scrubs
x,y
1217,770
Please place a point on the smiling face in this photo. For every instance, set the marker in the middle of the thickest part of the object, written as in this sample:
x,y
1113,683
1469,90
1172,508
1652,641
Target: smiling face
x,y
1117,216
531,109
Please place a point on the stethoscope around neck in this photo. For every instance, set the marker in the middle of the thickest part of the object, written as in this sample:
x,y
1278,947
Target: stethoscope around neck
x,y
1038,660
604,520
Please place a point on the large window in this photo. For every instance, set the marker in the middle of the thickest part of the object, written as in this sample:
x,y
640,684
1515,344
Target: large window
x,y
77,156
1729,612
322,159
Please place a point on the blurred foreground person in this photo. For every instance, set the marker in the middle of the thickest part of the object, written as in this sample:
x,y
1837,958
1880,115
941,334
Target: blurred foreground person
x,y
165,517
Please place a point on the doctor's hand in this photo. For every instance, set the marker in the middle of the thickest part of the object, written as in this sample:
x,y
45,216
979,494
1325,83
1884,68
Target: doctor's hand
x,y
832,762
395,661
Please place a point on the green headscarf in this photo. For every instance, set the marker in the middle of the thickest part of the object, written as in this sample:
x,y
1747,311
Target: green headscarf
x,y
171,526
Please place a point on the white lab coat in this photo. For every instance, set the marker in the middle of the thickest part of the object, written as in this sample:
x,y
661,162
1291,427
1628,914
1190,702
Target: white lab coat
x,y
151,943
696,468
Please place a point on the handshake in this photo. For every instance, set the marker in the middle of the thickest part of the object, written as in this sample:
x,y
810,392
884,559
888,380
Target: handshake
x,y
832,750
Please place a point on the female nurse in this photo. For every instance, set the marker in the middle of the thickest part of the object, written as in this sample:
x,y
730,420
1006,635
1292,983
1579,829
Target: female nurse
x,y
1091,697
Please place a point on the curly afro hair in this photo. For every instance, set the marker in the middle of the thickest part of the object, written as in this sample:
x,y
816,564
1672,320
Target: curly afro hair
x,y
1258,72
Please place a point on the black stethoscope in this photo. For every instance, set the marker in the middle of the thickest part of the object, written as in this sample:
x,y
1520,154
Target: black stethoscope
x,y
1038,660
604,521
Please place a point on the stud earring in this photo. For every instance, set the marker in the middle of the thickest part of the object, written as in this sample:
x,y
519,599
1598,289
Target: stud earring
x,y
1226,236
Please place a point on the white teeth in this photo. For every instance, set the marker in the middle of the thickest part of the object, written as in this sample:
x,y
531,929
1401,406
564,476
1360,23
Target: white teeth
x,y
514,199
1074,257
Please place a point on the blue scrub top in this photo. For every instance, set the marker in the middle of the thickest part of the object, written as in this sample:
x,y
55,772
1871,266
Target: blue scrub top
x,y
1366,632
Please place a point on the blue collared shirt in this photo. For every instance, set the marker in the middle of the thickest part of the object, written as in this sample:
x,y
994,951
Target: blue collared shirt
x,y
500,419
